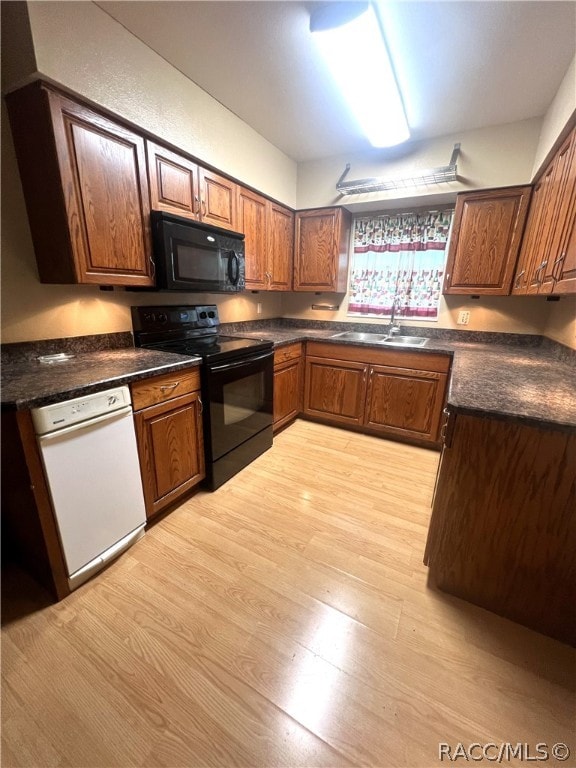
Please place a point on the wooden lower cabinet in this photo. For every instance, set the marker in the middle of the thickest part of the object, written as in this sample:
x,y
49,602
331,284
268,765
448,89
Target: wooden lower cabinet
x,y
335,390
287,384
405,402
170,439
503,530
393,392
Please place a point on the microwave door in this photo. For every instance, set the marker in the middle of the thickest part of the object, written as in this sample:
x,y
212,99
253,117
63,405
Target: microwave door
x,y
194,265
233,267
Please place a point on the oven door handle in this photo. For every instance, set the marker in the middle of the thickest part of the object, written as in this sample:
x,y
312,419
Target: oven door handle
x,y
239,363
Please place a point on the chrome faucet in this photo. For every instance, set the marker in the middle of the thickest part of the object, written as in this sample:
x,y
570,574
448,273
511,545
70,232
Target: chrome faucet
x,y
394,326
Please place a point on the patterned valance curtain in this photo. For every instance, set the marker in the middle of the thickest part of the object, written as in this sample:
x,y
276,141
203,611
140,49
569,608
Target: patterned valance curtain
x,y
399,258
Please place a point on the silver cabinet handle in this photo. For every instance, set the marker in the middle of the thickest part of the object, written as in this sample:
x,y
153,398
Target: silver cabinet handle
x,y
517,282
537,272
166,387
556,267
201,404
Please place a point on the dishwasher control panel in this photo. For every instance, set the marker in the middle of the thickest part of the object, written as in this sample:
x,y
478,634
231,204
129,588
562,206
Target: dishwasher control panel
x,y
51,418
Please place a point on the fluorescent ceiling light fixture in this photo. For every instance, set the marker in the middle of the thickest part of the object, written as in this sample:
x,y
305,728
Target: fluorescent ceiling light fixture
x,y
357,56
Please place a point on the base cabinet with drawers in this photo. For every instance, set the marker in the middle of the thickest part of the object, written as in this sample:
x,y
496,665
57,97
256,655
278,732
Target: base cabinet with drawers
x,y
395,393
168,420
288,367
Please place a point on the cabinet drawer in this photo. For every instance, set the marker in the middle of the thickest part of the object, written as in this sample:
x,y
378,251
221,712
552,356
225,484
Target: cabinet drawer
x,y
158,389
289,352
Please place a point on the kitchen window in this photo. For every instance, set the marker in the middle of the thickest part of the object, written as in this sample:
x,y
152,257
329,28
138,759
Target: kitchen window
x,y
399,258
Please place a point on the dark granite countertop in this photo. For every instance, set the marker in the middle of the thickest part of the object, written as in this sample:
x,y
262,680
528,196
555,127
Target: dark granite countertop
x,y
28,383
527,383
507,376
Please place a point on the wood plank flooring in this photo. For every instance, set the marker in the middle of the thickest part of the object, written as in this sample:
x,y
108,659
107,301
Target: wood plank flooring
x,y
283,620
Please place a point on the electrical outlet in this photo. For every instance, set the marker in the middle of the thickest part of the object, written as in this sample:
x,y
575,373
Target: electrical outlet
x,y
463,318
258,308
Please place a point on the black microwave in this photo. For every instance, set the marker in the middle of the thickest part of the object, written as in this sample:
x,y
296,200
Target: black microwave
x,y
193,256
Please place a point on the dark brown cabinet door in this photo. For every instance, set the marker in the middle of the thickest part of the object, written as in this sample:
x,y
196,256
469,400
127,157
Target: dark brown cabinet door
x,y
485,240
565,277
503,517
252,222
321,249
217,199
547,261
534,235
335,390
173,182
405,402
171,450
86,188
288,364
280,250
557,213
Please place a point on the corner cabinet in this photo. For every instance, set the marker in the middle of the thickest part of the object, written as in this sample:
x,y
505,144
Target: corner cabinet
x,y
395,393
168,420
86,190
288,368
485,241
547,263
321,247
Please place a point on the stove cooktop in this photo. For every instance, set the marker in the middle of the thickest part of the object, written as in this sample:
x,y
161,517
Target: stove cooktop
x,y
190,330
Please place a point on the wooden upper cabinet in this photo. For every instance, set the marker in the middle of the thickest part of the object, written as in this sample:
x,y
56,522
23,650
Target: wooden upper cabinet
x,y
565,276
547,261
181,186
269,237
252,222
173,182
534,234
280,246
321,249
486,235
86,190
217,199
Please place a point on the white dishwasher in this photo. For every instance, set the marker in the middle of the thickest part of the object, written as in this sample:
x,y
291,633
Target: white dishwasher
x,y
90,456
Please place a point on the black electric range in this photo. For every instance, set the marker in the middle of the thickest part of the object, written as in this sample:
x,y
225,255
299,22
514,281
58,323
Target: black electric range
x,y
236,376
189,330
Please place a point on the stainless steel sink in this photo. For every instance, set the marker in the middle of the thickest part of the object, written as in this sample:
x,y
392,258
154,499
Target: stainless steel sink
x,y
381,338
375,338
404,341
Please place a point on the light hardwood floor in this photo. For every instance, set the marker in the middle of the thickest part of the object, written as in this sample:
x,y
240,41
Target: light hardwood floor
x,y
283,620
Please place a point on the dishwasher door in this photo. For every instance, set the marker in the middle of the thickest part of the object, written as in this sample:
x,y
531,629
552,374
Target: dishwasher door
x,y
93,474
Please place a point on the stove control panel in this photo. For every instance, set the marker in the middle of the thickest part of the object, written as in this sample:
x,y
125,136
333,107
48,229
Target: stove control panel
x,y
175,318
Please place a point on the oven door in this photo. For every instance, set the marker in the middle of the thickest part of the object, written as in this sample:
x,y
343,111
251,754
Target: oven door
x,y
239,399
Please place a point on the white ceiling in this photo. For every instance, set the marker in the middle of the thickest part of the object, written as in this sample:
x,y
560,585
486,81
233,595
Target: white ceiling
x,y
460,65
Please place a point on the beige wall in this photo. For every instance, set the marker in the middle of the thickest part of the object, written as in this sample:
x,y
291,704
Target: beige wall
x,y
561,323
490,157
78,45
558,114
505,314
